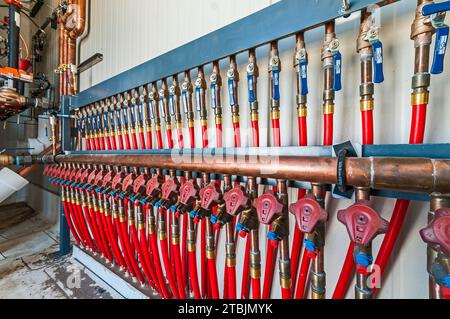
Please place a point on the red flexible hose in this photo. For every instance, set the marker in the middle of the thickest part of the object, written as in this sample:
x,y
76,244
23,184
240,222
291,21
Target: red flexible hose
x,y
180,138
192,137
96,144
276,132
157,263
231,282
120,140
167,264
130,251
328,130
256,289
88,144
149,139
102,143
112,140
90,217
213,278
184,263
112,238
297,244
99,229
169,138
148,259
269,270
286,293
193,276
179,273
108,143
134,141
255,133
140,255
302,131
73,215
142,140
219,139
205,142
346,274
83,226
69,223
203,258
126,136
159,139
303,276
119,232
245,284
367,127
419,113
237,134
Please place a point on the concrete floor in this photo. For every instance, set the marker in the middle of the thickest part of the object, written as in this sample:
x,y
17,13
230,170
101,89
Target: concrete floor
x,y
30,267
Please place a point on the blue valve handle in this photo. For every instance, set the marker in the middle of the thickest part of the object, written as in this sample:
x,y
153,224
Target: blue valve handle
x,y
150,108
99,122
161,107
213,96
111,119
89,123
197,98
276,84
125,117
337,68
172,104
439,49
304,77
105,120
185,101
377,52
141,113
133,115
231,92
251,91
430,9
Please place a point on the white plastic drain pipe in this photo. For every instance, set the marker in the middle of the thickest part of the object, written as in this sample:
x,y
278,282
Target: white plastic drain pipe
x,y
10,182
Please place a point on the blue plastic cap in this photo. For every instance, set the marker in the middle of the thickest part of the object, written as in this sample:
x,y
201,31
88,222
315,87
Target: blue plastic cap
x,y
213,219
121,196
240,227
158,205
144,201
272,235
446,281
193,214
174,209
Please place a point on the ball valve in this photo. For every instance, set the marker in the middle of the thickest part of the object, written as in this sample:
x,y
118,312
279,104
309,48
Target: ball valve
x,y
308,213
210,196
169,192
437,233
153,190
188,197
236,201
270,212
363,223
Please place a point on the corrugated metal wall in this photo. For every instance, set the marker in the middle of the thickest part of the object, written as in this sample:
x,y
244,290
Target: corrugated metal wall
x,y
128,33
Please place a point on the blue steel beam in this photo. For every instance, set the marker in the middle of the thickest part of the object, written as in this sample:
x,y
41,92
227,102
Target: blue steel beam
x,y
274,22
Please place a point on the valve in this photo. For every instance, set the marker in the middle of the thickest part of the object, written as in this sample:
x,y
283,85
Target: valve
x,y
274,66
302,59
437,232
187,197
210,196
270,212
373,38
440,47
235,201
170,190
232,77
363,222
333,48
308,213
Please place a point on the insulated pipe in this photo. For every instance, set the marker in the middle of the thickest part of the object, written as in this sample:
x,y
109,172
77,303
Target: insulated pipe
x,y
421,33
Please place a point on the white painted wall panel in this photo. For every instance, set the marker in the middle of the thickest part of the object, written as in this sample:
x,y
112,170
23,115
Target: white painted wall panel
x,y
131,32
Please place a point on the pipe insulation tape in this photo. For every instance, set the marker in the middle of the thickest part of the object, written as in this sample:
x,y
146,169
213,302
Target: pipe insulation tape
x,y
10,183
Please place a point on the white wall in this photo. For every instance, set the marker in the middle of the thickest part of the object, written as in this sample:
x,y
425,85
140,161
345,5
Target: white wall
x,y
128,33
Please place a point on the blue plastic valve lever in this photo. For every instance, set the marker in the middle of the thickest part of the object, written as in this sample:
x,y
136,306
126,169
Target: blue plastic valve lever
x,y
337,64
250,81
377,52
430,9
151,104
440,46
231,78
198,88
275,65
141,109
184,89
172,100
302,58
161,104
213,80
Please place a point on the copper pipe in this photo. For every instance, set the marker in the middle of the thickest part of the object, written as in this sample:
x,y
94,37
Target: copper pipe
x,y
401,174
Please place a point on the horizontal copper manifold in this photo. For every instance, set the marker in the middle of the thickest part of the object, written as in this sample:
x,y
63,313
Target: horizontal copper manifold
x,y
401,174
